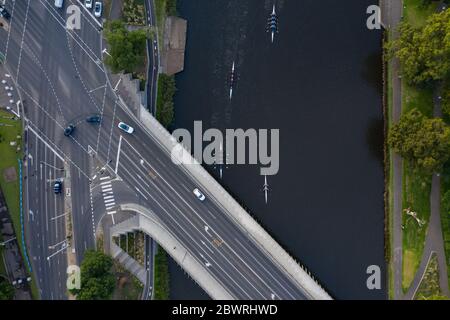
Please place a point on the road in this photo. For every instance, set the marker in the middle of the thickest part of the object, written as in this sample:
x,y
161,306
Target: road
x,y
149,249
62,79
153,59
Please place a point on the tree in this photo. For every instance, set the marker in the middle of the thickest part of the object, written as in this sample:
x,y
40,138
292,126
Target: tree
x,y
97,279
446,100
426,142
126,48
165,106
424,53
6,290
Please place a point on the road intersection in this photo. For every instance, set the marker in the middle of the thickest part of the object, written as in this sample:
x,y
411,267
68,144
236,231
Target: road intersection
x,y
62,80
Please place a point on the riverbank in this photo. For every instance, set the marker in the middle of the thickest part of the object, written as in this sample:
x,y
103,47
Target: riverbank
x,y
416,186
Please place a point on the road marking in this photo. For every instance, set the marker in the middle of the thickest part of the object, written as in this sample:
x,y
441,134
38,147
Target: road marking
x,y
118,153
22,42
174,192
51,11
104,178
108,197
9,31
92,16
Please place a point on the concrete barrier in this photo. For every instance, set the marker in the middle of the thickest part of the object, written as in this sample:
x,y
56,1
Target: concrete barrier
x,y
148,222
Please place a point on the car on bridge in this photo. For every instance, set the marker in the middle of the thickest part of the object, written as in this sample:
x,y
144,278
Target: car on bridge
x,y
123,126
69,130
88,4
200,196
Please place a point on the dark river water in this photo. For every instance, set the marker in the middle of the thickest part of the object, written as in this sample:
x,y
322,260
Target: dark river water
x,y
320,84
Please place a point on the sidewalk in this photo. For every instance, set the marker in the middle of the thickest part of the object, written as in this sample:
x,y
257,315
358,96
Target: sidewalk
x,y
392,14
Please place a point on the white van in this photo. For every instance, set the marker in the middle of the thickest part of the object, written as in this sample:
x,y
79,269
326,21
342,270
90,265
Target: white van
x,y
59,3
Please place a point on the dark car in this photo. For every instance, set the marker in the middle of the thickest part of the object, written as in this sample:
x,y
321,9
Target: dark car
x,y
4,13
69,130
57,186
94,119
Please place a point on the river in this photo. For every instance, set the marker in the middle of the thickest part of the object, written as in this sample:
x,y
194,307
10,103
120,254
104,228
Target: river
x,y
320,84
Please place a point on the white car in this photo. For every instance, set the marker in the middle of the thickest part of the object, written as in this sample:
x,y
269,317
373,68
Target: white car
x,y
88,4
200,196
123,126
98,7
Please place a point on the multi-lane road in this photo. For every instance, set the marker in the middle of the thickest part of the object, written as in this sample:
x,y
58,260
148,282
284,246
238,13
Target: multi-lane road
x,y
62,80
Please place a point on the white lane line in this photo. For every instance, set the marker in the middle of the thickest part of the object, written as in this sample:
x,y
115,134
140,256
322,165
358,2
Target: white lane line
x,y
188,235
102,115
46,144
137,189
111,133
174,192
118,153
62,24
111,212
22,42
92,16
9,31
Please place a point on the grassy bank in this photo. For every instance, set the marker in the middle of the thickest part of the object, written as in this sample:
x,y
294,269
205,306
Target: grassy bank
x,y
164,104
429,286
163,9
415,192
10,129
390,172
416,13
416,197
445,214
161,276
416,185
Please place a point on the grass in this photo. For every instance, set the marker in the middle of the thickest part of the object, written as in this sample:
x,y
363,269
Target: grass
x,y
9,158
2,265
429,288
445,214
413,97
134,12
416,196
416,14
161,276
128,287
390,184
416,185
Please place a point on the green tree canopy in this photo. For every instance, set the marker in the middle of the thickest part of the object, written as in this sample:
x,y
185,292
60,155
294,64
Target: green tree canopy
x,y
424,53
126,48
6,290
166,91
97,279
426,142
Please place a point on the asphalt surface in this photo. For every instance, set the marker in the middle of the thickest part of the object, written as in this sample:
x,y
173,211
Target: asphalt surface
x,y
62,79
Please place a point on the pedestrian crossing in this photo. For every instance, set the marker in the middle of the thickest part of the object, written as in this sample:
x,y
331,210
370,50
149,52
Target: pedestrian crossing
x,y
108,196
